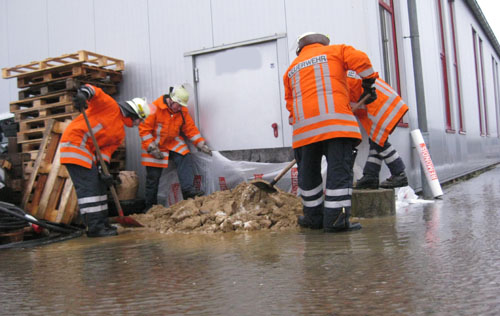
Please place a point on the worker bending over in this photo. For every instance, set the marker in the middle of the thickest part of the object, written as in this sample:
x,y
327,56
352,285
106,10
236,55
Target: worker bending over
x,y
162,142
317,98
379,119
107,119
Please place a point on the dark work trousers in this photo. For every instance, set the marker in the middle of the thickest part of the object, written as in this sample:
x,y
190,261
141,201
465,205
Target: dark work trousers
x,y
339,153
386,154
184,165
91,192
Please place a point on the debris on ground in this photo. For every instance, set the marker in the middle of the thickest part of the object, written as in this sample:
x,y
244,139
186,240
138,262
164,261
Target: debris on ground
x,y
244,208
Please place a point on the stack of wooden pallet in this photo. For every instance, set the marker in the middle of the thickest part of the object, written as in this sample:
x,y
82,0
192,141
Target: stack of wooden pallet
x,y
45,95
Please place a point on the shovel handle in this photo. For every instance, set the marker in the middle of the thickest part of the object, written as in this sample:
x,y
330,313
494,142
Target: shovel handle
x,y
282,173
103,165
360,103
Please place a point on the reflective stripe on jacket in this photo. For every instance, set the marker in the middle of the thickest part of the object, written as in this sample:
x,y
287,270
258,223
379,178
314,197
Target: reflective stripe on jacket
x,y
164,127
381,116
106,121
316,92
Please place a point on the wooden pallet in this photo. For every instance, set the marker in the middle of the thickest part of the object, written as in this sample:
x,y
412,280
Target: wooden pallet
x,y
34,128
65,60
81,71
46,100
24,116
49,193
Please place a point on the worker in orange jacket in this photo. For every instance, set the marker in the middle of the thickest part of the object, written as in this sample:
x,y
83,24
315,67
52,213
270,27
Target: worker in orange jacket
x,y
107,119
162,142
379,119
317,98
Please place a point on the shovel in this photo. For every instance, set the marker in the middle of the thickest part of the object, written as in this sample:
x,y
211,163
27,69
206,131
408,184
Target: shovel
x,y
269,187
122,219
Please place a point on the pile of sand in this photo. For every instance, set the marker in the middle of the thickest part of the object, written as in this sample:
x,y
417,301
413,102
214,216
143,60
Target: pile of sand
x,y
244,208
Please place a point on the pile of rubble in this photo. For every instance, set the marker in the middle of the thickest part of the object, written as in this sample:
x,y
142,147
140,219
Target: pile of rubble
x,y
244,208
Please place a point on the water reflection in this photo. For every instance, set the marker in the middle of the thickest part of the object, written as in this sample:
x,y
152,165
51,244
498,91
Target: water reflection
x,y
441,258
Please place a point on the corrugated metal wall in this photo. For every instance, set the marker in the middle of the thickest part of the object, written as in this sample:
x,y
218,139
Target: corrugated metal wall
x,y
153,36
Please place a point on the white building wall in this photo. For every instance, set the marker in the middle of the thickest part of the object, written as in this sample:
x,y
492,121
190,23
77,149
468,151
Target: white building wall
x,y
5,97
454,153
153,36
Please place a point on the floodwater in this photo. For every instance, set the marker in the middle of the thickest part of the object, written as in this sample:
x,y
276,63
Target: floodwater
x,y
441,258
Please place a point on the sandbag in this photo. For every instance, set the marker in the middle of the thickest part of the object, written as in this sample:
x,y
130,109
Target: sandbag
x,y
127,189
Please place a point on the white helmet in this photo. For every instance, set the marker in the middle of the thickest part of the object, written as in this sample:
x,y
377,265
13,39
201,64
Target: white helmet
x,y
179,94
138,108
311,38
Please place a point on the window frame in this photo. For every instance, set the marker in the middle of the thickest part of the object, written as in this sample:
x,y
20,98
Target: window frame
x,y
387,7
479,83
496,91
390,10
461,123
483,81
444,70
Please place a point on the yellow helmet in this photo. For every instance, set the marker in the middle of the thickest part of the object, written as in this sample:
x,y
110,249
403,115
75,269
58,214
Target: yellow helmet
x,y
180,95
311,38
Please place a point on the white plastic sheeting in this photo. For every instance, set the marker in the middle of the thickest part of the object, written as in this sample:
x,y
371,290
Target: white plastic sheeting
x,y
216,173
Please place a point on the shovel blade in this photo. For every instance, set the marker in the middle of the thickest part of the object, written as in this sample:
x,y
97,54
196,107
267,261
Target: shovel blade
x,y
264,186
127,221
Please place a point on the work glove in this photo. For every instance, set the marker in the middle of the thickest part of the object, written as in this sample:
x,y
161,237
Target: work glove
x,y
369,89
155,151
80,101
204,148
106,179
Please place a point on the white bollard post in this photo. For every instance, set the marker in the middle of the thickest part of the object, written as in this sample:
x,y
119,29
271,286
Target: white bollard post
x,y
428,166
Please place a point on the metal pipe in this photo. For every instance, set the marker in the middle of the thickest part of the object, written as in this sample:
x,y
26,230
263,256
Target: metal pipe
x,y
419,88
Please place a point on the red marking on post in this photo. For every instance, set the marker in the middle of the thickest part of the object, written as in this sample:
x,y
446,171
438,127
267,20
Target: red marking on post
x,y
175,190
428,162
197,182
258,176
222,183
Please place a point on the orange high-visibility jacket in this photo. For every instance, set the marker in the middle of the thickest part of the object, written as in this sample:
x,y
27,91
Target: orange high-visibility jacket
x,y
316,92
107,124
382,115
164,127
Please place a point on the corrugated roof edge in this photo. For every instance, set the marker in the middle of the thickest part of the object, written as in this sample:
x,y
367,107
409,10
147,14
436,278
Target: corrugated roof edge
x,y
478,13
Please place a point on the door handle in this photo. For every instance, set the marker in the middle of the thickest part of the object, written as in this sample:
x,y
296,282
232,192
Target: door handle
x,y
275,129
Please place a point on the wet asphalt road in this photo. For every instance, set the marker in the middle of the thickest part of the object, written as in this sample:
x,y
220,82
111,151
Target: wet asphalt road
x,y
441,258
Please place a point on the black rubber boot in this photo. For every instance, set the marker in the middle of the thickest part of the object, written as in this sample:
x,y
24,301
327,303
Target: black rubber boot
x,y
312,218
308,222
367,182
192,194
97,225
337,220
395,181
106,221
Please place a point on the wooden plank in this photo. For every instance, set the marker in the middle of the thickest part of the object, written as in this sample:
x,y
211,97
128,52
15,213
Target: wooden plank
x,y
49,185
55,193
50,152
71,210
38,162
65,199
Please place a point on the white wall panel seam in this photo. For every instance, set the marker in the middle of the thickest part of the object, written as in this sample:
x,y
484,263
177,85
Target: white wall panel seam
x,y
95,29
212,23
47,26
152,86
